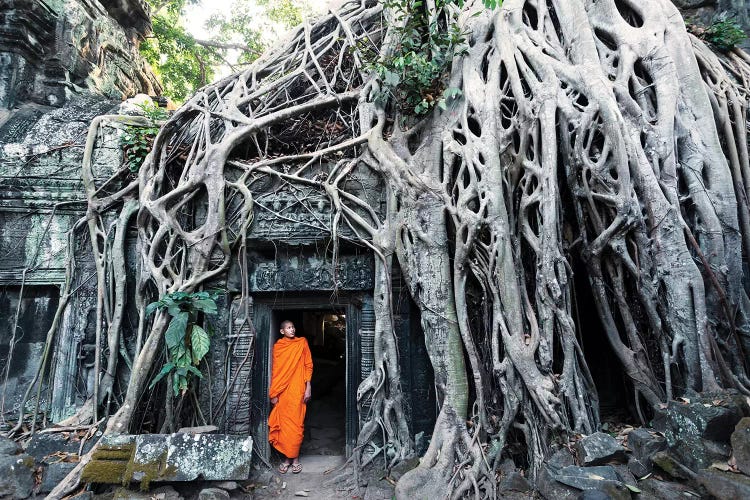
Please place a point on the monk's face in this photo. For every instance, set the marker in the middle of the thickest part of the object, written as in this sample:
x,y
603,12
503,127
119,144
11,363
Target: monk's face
x,y
288,330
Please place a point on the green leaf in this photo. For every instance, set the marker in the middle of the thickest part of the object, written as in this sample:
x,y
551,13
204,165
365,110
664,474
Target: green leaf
x,y
195,371
153,306
176,382
164,370
632,488
200,343
178,296
180,355
208,306
176,331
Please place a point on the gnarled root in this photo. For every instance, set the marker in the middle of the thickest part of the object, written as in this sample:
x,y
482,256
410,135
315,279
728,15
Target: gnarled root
x,y
454,464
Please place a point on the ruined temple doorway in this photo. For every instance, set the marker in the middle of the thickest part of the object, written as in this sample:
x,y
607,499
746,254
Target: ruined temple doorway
x,y
325,331
330,327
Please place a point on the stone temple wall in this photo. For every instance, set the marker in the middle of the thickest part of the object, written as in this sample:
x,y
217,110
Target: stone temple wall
x,y
51,50
62,63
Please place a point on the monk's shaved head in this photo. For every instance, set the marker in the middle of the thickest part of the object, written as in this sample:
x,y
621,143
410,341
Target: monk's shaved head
x,y
285,323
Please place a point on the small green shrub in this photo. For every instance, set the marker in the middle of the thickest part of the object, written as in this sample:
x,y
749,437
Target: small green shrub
x,y
136,142
725,33
187,342
413,75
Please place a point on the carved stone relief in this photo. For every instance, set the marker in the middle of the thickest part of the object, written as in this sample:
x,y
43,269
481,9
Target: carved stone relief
x,y
241,347
310,272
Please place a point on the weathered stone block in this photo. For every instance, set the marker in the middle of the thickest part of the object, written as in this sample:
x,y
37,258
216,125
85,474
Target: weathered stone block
x,y
514,481
741,445
227,485
161,493
43,445
17,478
670,465
594,495
639,469
561,458
645,442
600,448
698,432
602,478
213,494
710,418
186,457
725,484
53,474
8,446
170,457
549,488
652,488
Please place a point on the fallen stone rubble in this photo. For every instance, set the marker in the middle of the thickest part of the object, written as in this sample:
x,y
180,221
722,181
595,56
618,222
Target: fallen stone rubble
x,y
695,448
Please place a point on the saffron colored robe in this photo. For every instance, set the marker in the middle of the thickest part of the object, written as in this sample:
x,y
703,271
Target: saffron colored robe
x,y
292,369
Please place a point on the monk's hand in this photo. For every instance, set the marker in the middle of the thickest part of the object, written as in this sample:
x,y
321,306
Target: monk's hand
x,y
274,401
308,394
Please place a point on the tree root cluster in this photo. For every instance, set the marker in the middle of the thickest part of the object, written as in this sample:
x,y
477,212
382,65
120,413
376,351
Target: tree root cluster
x,y
600,131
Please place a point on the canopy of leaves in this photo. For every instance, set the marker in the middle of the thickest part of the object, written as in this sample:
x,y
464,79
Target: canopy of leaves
x,y
185,63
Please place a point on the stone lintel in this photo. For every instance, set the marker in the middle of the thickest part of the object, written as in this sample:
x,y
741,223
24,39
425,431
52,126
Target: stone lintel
x,y
310,272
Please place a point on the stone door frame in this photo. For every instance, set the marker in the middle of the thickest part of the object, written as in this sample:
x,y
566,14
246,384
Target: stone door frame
x,y
350,304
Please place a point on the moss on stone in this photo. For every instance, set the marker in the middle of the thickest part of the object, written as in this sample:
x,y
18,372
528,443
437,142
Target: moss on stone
x,y
104,471
108,464
149,471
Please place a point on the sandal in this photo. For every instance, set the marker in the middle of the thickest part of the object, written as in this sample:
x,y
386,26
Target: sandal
x,y
296,468
283,467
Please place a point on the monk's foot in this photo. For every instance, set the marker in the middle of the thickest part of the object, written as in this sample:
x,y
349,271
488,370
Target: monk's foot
x,y
296,467
283,467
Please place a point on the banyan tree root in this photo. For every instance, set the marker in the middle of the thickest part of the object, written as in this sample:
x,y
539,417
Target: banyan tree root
x,y
592,130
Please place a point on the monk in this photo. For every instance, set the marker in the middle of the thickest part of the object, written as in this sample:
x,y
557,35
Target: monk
x,y
290,391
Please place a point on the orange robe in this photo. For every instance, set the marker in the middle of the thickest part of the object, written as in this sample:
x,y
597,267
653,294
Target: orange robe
x,y
292,369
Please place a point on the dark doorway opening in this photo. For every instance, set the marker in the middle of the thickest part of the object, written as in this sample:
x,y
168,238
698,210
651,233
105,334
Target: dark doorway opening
x,y
616,403
325,422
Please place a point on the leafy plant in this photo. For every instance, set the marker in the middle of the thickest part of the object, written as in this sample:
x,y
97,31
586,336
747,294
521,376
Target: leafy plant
x,y
137,141
187,342
413,75
725,33
185,63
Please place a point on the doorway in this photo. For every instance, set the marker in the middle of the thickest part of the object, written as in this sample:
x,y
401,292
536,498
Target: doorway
x,y
325,422
331,419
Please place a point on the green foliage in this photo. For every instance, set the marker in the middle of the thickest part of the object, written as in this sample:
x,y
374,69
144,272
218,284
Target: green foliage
x,y
136,141
413,75
187,342
185,63
244,25
724,33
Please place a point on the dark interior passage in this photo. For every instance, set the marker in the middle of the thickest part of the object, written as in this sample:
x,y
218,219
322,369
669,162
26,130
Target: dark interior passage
x,y
325,330
613,387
